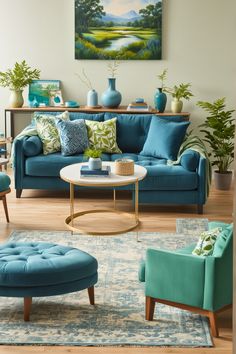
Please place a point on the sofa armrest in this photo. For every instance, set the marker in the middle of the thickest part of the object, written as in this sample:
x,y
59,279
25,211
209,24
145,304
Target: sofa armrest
x,y
190,160
175,277
32,145
18,162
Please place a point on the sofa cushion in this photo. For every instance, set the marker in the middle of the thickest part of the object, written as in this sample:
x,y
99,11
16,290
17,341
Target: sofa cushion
x,y
164,138
190,160
50,165
223,240
98,117
102,136
47,131
32,145
73,136
132,130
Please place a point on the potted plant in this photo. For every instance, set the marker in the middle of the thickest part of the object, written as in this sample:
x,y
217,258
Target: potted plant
x,y
16,80
160,96
94,156
219,130
178,92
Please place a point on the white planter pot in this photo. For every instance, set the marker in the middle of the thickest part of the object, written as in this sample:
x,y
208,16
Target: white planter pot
x,y
95,163
176,106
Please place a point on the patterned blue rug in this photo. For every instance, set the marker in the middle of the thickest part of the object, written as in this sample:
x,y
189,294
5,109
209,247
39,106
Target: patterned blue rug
x,y
118,316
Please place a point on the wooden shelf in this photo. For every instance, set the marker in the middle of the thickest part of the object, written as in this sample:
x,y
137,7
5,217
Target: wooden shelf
x,y
120,109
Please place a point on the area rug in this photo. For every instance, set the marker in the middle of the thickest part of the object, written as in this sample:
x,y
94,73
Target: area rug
x,y
118,316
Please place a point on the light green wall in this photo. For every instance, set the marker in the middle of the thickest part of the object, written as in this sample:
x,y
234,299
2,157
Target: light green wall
x,y
198,47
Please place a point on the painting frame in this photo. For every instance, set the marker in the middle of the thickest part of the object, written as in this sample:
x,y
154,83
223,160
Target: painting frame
x,y
39,90
118,30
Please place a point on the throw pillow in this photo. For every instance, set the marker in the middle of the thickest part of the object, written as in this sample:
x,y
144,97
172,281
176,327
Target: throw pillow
x,y
102,136
164,138
73,136
47,131
206,242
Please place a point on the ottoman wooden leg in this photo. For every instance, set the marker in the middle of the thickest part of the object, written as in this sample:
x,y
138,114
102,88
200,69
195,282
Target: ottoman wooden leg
x,y
91,295
27,308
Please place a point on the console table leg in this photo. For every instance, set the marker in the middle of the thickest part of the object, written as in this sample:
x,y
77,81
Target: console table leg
x,y
114,198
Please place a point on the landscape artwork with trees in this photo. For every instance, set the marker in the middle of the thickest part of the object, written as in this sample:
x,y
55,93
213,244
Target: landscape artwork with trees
x,y
118,29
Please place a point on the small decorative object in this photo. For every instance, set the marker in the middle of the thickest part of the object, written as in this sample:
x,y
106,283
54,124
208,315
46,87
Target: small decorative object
x,y
178,92
111,98
16,80
92,96
34,103
56,98
124,167
219,130
72,104
95,162
126,30
139,100
40,90
2,136
160,97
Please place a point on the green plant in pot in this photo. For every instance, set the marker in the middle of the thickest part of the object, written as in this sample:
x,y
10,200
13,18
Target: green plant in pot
x,y
178,92
16,80
219,131
94,156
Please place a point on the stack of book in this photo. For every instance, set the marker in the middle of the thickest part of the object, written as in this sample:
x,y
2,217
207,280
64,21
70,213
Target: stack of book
x,y
138,106
85,171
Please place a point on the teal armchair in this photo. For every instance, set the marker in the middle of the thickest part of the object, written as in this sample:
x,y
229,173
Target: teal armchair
x,y
195,283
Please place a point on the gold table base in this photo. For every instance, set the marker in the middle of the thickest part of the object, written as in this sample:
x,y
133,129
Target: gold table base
x,y
69,221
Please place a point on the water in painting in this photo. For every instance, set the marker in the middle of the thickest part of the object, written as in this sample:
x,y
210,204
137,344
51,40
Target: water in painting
x,y
118,29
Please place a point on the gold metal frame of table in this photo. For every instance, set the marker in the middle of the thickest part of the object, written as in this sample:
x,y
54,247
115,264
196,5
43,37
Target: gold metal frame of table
x,y
69,221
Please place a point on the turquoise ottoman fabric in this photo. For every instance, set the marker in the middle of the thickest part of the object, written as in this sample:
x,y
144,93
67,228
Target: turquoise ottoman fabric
x,y
43,264
5,182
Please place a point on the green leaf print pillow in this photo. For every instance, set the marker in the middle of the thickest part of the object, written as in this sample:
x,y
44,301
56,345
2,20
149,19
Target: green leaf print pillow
x,y
47,131
206,242
102,136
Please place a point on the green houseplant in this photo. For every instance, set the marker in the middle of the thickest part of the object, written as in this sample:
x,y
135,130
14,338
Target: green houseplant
x,y
16,80
219,131
94,156
178,92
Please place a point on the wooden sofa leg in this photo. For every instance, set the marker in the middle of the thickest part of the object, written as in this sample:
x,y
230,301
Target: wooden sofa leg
x,y
18,193
150,307
213,324
27,308
200,208
4,200
91,295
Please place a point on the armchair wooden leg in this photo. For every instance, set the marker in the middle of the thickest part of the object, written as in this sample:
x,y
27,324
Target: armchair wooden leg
x,y
213,324
4,200
150,307
91,295
27,308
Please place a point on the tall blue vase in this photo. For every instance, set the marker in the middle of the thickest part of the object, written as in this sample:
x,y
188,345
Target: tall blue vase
x,y
160,99
111,98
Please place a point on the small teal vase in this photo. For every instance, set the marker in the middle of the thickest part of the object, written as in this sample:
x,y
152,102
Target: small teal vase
x,y
92,98
160,99
111,98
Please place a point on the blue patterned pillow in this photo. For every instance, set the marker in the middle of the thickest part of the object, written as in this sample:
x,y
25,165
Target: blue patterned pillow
x,y
73,136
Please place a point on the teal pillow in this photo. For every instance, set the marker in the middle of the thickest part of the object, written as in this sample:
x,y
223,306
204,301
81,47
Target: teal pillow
x,y
164,138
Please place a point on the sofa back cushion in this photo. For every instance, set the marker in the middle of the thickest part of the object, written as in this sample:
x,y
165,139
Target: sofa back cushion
x,y
224,241
132,130
99,117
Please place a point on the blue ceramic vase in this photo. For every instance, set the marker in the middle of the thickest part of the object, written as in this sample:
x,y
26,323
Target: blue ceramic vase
x,y
160,99
111,98
92,98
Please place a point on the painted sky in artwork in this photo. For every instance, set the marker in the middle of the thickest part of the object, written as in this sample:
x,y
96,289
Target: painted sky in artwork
x,y
120,7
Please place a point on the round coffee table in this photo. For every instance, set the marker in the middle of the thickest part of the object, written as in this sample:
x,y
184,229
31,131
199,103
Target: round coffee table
x,y
71,174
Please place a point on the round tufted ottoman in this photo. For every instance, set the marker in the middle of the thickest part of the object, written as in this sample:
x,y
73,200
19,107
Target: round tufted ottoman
x,y
44,269
5,182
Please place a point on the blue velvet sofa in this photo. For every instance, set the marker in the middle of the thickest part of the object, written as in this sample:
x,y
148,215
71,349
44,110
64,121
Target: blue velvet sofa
x,y
184,183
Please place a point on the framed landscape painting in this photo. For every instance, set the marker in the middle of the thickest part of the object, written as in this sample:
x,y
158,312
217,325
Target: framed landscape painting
x,y
118,29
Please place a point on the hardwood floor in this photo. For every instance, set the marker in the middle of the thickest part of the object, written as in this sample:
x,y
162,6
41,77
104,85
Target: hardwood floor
x,y
44,210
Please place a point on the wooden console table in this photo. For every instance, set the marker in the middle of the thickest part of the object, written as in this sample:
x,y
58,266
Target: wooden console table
x,y
11,112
